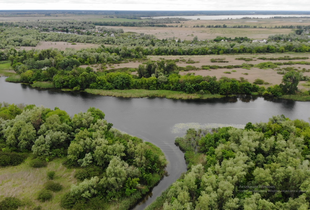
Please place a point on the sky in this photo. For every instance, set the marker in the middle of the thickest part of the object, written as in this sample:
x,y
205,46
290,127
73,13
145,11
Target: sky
x,y
300,5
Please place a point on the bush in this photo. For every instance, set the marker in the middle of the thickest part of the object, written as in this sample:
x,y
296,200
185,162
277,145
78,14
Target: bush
x,y
53,186
37,208
38,163
51,175
11,159
88,173
259,82
10,203
44,195
68,201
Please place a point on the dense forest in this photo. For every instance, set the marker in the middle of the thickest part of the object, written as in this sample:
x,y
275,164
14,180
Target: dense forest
x,y
111,166
263,166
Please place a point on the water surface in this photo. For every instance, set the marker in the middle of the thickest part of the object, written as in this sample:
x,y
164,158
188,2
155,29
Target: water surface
x,y
158,120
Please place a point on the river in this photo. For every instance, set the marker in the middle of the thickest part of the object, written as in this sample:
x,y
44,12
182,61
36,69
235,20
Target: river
x,y
158,120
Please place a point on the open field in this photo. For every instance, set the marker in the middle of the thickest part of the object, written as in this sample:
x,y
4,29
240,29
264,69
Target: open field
x,y
60,46
263,22
268,75
204,33
25,182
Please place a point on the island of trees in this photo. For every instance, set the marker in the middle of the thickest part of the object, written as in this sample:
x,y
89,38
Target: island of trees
x,y
263,166
113,169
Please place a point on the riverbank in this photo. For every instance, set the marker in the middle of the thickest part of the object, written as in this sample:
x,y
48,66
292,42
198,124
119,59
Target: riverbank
x,y
141,93
296,97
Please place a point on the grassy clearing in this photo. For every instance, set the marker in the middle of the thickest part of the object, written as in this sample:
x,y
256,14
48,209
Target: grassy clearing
x,y
141,93
14,78
6,69
296,97
25,182
43,85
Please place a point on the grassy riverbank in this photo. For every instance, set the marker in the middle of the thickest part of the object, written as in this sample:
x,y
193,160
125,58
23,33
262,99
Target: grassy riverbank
x,y
6,69
141,93
43,85
296,97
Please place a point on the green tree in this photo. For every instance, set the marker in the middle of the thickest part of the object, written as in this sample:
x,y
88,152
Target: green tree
x,y
290,82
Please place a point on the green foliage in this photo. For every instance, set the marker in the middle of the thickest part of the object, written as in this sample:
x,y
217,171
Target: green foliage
x,y
51,175
38,163
112,165
11,159
267,65
9,112
88,173
259,82
290,82
53,186
261,166
10,203
44,195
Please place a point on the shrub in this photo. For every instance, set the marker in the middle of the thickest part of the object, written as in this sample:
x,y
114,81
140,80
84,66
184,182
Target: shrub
x,y
88,173
267,65
51,175
37,208
227,72
38,163
10,203
53,186
11,159
44,195
68,201
259,82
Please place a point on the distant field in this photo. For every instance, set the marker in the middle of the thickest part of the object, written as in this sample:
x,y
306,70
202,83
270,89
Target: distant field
x,y
60,46
203,33
251,22
270,76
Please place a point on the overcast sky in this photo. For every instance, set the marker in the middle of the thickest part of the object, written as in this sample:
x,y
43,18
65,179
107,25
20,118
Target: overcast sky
x,y
155,5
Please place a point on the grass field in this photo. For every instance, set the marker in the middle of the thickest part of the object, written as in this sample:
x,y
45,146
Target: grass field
x,y
6,69
25,182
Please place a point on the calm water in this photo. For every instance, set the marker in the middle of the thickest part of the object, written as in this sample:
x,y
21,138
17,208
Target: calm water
x,y
223,17
157,120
